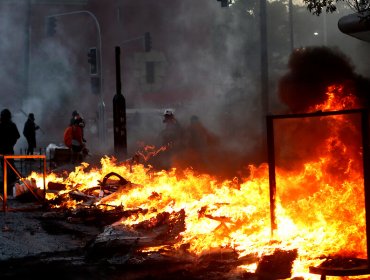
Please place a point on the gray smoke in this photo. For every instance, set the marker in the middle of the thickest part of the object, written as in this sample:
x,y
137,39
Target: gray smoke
x,y
212,69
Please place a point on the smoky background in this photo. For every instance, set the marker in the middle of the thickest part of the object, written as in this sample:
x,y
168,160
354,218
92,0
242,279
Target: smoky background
x,y
211,68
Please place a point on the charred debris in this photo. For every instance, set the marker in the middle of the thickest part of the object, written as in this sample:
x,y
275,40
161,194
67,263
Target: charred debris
x,y
88,241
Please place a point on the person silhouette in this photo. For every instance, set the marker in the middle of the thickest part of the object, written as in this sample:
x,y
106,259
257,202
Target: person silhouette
x,y
29,131
9,136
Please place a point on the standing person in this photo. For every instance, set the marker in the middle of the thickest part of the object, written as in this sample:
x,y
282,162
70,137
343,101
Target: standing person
x,y
76,117
9,136
73,139
29,131
171,137
172,133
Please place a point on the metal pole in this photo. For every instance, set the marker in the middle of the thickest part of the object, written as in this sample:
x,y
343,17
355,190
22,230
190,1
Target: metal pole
x,y
44,177
366,164
272,175
291,25
264,58
5,179
27,48
118,70
119,113
101,106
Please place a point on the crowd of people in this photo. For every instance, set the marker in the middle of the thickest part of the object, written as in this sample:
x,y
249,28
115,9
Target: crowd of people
x,y
186,145
9,136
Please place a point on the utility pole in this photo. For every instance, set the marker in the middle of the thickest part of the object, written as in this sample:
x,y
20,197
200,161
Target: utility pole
x,y
119,101
291,25
264,58
119,113
27,42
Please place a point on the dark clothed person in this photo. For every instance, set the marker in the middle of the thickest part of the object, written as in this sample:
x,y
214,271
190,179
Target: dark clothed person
x,y
172,133
9,133
171,137
29,131
9,136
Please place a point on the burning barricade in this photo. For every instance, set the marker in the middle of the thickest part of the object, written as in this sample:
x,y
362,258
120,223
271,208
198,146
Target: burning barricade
x,y
200,222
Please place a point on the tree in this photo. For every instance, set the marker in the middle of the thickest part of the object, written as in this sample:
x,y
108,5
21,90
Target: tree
x,y
316,6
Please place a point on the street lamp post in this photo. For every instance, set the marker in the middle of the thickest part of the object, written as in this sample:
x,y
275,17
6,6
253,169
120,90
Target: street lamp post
x,y
264,57
291,25
101,106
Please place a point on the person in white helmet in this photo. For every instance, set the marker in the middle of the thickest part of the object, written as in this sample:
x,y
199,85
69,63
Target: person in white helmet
x,y
171,134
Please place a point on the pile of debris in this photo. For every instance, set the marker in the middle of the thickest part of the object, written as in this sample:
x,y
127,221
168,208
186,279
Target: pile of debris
x,y
102,246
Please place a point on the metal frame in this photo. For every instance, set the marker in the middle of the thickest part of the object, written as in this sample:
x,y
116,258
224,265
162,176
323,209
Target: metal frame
x,y
5,176
364,113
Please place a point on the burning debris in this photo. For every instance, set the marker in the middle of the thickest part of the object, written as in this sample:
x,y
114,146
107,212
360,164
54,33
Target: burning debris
x,y
206,228
154,239
277,265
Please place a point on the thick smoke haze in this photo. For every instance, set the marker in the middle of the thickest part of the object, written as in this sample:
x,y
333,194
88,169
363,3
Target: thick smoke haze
x,y
211,69
312,71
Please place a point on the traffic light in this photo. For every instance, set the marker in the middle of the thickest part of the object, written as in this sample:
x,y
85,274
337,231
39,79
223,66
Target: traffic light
x,y
147,42
92,59
51,24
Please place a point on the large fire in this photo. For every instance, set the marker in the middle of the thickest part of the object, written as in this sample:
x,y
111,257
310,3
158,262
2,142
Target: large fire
x,y
320,193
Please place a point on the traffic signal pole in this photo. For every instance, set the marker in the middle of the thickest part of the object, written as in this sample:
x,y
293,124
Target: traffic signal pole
x,y
101,105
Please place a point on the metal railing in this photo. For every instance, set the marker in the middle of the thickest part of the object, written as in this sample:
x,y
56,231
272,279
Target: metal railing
x,y
7,163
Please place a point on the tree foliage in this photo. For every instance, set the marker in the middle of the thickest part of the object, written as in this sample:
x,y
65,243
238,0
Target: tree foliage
x,y
317,6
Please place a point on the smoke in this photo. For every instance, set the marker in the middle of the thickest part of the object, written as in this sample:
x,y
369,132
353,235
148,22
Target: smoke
x,y
47,76
212,71
312,70
12,37
214,74
300,141
212,57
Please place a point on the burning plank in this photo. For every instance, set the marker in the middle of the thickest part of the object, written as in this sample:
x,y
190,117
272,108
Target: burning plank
x,y
276,266
162,230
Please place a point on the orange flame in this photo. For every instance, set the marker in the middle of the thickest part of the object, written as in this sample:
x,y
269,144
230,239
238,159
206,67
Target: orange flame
x,y
320,197
338,98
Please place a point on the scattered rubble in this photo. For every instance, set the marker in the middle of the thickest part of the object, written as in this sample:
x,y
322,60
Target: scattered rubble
x,y
89,241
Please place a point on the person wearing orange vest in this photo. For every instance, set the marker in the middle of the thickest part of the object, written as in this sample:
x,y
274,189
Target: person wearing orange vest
x,y
73,139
